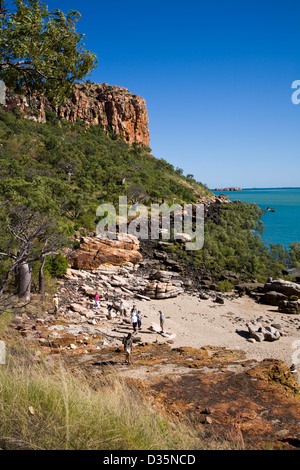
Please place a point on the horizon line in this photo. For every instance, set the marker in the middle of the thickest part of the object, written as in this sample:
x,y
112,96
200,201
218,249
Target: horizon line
x,y
256,187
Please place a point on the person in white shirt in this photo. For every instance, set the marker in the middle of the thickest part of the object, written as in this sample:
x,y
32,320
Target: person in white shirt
x,y
134,318
122,308
161,320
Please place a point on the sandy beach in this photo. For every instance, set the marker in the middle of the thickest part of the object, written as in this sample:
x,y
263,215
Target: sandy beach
x,y
195,323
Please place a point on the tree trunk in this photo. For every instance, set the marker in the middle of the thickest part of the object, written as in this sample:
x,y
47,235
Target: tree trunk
x,y
24,281
42,277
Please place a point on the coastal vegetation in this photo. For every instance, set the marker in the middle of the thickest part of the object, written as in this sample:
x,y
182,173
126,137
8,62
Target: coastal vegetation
x,y
234,244
40,50
59,173
53,176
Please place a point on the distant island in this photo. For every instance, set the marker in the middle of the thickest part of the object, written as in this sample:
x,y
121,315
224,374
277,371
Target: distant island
x,y
229,189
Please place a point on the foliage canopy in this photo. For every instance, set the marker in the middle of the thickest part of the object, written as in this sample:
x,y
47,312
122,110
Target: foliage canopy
x,y
41,50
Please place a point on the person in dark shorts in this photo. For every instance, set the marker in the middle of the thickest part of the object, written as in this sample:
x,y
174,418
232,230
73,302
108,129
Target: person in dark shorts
x,y
134,321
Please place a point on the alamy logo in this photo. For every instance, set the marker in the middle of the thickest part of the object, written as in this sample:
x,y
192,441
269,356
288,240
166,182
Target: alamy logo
x,y
2,92
2,353
296,94
184,223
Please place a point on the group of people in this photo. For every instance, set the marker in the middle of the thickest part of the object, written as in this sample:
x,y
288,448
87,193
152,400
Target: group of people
x,y
136,318
136,321
136,315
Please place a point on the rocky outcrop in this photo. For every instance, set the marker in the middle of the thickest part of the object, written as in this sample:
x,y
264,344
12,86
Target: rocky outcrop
x,y
162,290
284,294
289,306
237,402
260,333
240,403
94,252
286,288
222,199
114,109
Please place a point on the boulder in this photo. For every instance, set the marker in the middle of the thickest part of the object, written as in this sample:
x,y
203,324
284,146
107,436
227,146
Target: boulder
x,y
219,300
261,333
289,306
204,296
287,288
249,287
78,308
231,277
142,297
94,252
161,290
159,255
273,298
162,276
118,281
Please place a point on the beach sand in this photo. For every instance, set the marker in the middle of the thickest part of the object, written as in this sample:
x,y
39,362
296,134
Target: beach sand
x,y
196,323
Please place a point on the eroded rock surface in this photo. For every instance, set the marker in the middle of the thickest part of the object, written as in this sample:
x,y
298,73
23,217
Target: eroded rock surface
x,y
114,108
94,252
251,405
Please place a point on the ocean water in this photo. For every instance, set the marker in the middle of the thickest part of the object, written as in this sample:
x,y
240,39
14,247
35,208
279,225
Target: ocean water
x,y
282,226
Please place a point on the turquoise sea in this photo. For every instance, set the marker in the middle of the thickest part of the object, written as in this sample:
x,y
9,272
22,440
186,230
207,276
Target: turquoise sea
x,y
282,226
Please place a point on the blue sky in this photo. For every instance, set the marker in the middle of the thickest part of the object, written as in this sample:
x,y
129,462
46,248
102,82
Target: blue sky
x,y
216,76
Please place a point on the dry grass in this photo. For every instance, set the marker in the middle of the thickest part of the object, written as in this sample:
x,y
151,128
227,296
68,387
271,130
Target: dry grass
x,y
43,406
44,409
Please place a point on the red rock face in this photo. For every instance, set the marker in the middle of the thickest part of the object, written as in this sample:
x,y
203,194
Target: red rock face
x,y
94,252
114,108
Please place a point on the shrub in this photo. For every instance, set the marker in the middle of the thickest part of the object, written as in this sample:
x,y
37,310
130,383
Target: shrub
x,y
57,266
225,286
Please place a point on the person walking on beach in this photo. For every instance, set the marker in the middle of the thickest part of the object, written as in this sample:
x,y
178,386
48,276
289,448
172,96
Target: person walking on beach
x,y
134,320
122,308
161,321
139,320
109,308
128,347
55,304
134,310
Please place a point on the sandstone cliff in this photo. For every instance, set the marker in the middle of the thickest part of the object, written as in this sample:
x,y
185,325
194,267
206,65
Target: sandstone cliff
x,y
114,108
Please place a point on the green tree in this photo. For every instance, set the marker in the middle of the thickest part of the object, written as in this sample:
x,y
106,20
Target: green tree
x,y
41,50
27,236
